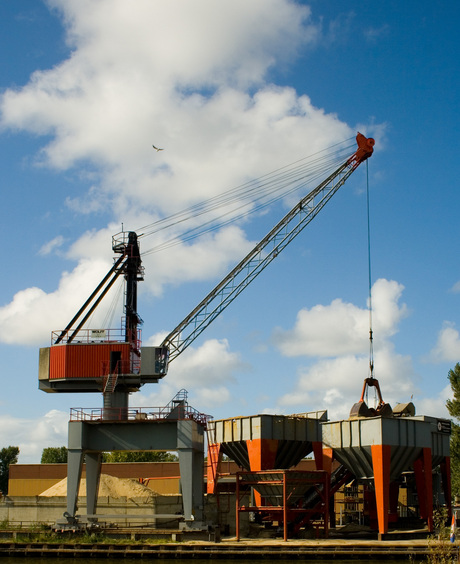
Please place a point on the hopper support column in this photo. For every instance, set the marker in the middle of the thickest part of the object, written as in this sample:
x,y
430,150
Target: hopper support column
x,y
262,456
381,459
424,482
213,468
446,483
326,460
317,447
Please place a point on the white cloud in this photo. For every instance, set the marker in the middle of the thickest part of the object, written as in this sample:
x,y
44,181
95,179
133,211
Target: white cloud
x,y
32,436
335,384
340,328
210,366
340,332
204,372
207,258
51,246
447,348
129,83
435,406
32,314
456,288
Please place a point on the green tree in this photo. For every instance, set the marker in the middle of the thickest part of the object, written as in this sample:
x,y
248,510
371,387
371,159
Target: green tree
x,y
142,456
54,455
453,407
8,455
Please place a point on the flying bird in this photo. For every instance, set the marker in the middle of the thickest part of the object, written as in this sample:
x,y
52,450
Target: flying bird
x,y
156,148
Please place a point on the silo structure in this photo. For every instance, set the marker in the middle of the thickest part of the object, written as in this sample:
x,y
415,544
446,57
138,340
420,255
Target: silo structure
x,y
264,442
381,448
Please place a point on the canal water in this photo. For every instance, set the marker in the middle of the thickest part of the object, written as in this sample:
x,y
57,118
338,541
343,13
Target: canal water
x,y
58,560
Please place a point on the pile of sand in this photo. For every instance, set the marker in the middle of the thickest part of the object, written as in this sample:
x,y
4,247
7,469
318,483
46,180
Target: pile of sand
x,y
109,486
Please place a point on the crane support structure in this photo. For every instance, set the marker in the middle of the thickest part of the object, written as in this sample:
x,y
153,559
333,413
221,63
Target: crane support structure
x,y
264,252
128,264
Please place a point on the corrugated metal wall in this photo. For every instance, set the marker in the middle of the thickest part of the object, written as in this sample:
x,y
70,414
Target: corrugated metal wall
x,y
83,360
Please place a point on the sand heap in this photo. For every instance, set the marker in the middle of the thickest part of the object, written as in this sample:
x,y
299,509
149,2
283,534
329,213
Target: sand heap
x,y
109,486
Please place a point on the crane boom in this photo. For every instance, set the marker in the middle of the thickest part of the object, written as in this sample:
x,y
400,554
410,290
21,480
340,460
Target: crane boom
x,y
263,253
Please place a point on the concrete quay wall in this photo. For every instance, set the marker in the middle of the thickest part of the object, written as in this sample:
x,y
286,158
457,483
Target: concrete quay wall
x,y
24,511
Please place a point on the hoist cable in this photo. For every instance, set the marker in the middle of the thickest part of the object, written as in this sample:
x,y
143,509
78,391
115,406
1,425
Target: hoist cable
x,y
371,333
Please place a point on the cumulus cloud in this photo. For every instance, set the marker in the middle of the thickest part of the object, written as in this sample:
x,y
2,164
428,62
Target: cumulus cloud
x,y
436,405
200,92
32,436
51,246
205,372
336,338
342,328
32,314
335,384
447,348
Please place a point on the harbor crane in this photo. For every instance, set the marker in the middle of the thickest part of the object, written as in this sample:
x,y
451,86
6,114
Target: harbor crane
x,y
115,362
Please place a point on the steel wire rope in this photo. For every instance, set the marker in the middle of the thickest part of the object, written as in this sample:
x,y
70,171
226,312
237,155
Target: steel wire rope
x,y
213,224
242,193
237,191
279,186
115,302
110,312
371,331
260,192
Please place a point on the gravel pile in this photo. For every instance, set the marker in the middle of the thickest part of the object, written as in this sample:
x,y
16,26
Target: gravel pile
x,y
109,486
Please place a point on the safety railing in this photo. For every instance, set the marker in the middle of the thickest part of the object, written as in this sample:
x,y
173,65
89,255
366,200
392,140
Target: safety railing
x,y
93,336
132,366
107,414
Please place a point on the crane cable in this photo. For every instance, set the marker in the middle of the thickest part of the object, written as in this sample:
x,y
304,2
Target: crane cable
x,y
115,304
245,199
371,332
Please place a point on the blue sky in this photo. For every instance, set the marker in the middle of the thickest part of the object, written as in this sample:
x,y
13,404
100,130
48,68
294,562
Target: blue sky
x,y
232,91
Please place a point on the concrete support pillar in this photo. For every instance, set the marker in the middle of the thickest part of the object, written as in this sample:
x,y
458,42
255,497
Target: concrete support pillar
x,y
116,405
74,469
381,458
93,474
191,477
191,464
92,439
